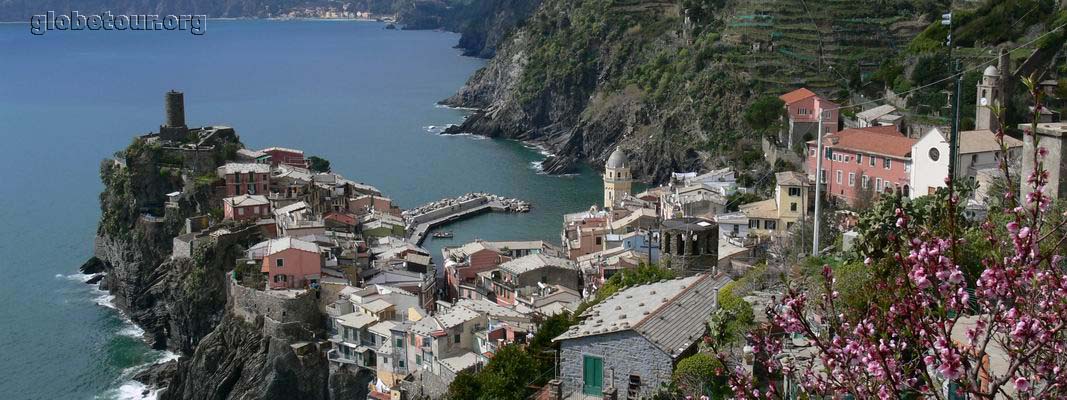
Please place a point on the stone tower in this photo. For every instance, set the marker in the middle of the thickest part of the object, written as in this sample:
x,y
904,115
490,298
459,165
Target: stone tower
x,y
989,91
617,178
174,127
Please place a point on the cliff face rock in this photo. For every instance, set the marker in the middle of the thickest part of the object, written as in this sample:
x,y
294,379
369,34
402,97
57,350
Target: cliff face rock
x,y
236,361
483,24
668,81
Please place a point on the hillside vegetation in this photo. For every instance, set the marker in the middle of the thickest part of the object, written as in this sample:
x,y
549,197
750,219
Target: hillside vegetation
x,y
670,80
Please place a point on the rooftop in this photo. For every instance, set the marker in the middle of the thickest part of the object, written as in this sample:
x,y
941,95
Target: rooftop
x,y
536,261
246,200
671,314
766,209
791,178
688,224
356,320
285,243
878,140
876,112
796,95
244,168
984,141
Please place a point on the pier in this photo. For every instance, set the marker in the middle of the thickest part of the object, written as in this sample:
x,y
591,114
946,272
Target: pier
x,y
421,220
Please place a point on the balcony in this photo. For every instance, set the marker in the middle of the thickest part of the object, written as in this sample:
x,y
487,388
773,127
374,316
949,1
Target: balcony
x,y
338,357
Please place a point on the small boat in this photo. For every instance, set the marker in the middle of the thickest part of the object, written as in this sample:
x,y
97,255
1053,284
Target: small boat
x,y
390,26
443,235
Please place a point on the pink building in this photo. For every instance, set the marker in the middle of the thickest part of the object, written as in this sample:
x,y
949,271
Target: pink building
x,y
462,265
875,158
245,207
364,204
292,263
282,155
245,178
803,108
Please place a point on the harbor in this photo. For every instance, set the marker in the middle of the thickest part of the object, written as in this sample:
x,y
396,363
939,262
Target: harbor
x,y
422,219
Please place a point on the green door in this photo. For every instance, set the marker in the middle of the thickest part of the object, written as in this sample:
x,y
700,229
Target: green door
x,y
593,375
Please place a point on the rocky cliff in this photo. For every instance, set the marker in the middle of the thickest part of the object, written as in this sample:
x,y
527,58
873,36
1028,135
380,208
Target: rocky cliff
x,y
237,361
668,81
482,24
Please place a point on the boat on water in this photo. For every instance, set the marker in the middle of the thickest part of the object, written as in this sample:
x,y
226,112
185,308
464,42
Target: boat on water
x,y
443,235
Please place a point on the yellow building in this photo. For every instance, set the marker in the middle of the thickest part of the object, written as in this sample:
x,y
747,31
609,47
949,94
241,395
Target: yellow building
x,y
778,215
617,179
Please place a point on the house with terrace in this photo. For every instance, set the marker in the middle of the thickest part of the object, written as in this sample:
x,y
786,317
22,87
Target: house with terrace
x,y
291,263
528,275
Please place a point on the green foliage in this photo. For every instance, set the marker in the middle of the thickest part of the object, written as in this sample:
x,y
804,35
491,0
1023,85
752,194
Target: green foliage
x,y
734,317
549,329
319,164
701,374
467,385
505,377
765,114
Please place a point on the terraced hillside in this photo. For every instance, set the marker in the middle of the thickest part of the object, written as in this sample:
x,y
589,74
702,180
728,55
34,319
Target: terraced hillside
x,y
795,42
669,80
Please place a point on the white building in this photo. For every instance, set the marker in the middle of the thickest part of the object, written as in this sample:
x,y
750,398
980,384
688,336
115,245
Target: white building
x,y
978,150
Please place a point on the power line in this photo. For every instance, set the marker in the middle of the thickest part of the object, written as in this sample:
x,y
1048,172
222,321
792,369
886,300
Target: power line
x,y
953,76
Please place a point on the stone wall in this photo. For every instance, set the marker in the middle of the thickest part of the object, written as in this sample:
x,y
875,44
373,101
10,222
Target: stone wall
x,y
624,353
443,212
283,316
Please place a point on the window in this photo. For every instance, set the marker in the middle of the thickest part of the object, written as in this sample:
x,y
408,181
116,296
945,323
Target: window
x,y
878,184
240,211
811,152
456,338
251,188
828,114
792,206
400,363
279,262
599,240
753,224
399,343
770,225
418,359
803,111
872,161
888,163
822,176
859,158
829,153
852,179
838,176
794,191
865,181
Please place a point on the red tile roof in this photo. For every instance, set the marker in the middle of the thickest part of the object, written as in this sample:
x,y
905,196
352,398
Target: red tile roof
x,y
796,95
876,140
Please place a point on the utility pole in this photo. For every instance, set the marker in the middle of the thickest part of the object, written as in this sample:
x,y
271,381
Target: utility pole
x,y
818,187
954,136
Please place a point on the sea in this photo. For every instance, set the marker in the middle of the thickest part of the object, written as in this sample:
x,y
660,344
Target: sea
x,y
353,92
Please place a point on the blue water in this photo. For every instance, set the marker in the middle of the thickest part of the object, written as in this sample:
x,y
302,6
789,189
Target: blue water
x,y
352,92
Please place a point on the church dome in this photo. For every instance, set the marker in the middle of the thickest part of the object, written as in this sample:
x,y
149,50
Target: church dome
x,y
991,71
617,159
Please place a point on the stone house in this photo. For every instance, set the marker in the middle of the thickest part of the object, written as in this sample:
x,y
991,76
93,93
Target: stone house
x,y
632,340
442,344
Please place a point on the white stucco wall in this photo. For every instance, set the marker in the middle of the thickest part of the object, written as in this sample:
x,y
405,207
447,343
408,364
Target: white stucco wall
x,y
925,172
